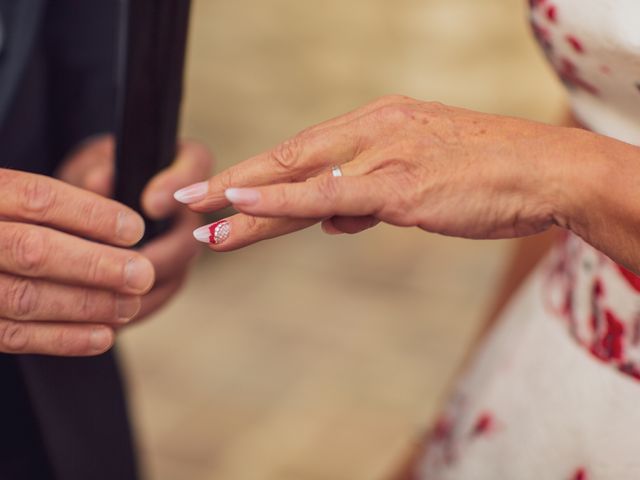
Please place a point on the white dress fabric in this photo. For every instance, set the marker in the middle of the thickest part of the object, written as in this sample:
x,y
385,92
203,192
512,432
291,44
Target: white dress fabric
x,y
554,392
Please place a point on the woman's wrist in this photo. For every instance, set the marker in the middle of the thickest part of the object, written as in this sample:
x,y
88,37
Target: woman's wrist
x,y
600,196
571,171
549,161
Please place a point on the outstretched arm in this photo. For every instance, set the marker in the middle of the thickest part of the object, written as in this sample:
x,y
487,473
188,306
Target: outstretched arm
x,y
443,169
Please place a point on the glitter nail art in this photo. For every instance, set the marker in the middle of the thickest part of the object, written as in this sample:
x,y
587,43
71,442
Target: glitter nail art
x,y
220,232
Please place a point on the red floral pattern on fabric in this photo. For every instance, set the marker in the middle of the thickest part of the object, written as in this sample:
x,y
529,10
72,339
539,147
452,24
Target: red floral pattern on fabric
x,y
598,300
584,288
456,429
484,424
580,474
546,25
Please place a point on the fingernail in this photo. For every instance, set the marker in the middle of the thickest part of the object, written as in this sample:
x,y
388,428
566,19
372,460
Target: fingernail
x,y
97,179
129,227
127,308
216,233
330,229
139,275
159,202
242,196
193,193
100,339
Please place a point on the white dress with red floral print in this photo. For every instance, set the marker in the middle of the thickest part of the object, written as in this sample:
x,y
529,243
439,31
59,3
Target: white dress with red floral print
x,y
554,393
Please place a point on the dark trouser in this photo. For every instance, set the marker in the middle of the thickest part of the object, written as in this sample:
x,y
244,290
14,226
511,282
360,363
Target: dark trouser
x,y
64,419
22,451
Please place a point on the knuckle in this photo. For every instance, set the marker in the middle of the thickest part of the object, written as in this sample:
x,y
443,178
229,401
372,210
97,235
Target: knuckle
x,y
434,105
22,299
28,248
396,113
86,306
307,134
389,165
328,188
285,156
394,99
37,196
65,342
226,179
434,109
14,337
253,225
93,267
280,199
89,209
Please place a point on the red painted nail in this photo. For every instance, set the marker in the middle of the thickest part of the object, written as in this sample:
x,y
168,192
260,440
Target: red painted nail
x,y
216,233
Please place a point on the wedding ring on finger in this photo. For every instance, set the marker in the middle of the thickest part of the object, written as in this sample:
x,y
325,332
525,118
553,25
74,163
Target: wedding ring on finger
x,y
336,171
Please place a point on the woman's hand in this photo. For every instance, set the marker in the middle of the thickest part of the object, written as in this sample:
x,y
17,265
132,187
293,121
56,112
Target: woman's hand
x,y
404,162
92,166
446,170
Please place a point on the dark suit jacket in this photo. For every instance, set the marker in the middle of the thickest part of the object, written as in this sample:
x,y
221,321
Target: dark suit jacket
x,y
59,418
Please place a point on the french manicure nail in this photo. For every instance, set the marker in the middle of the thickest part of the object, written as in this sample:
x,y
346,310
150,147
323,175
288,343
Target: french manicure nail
x,y
242,196
139,275
193,193
215,234
127,308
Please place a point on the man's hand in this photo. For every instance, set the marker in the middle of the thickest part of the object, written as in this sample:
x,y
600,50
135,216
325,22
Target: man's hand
x,y
65,283
91,167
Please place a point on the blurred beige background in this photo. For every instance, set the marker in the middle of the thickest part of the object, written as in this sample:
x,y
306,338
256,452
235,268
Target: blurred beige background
x,y
309,357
